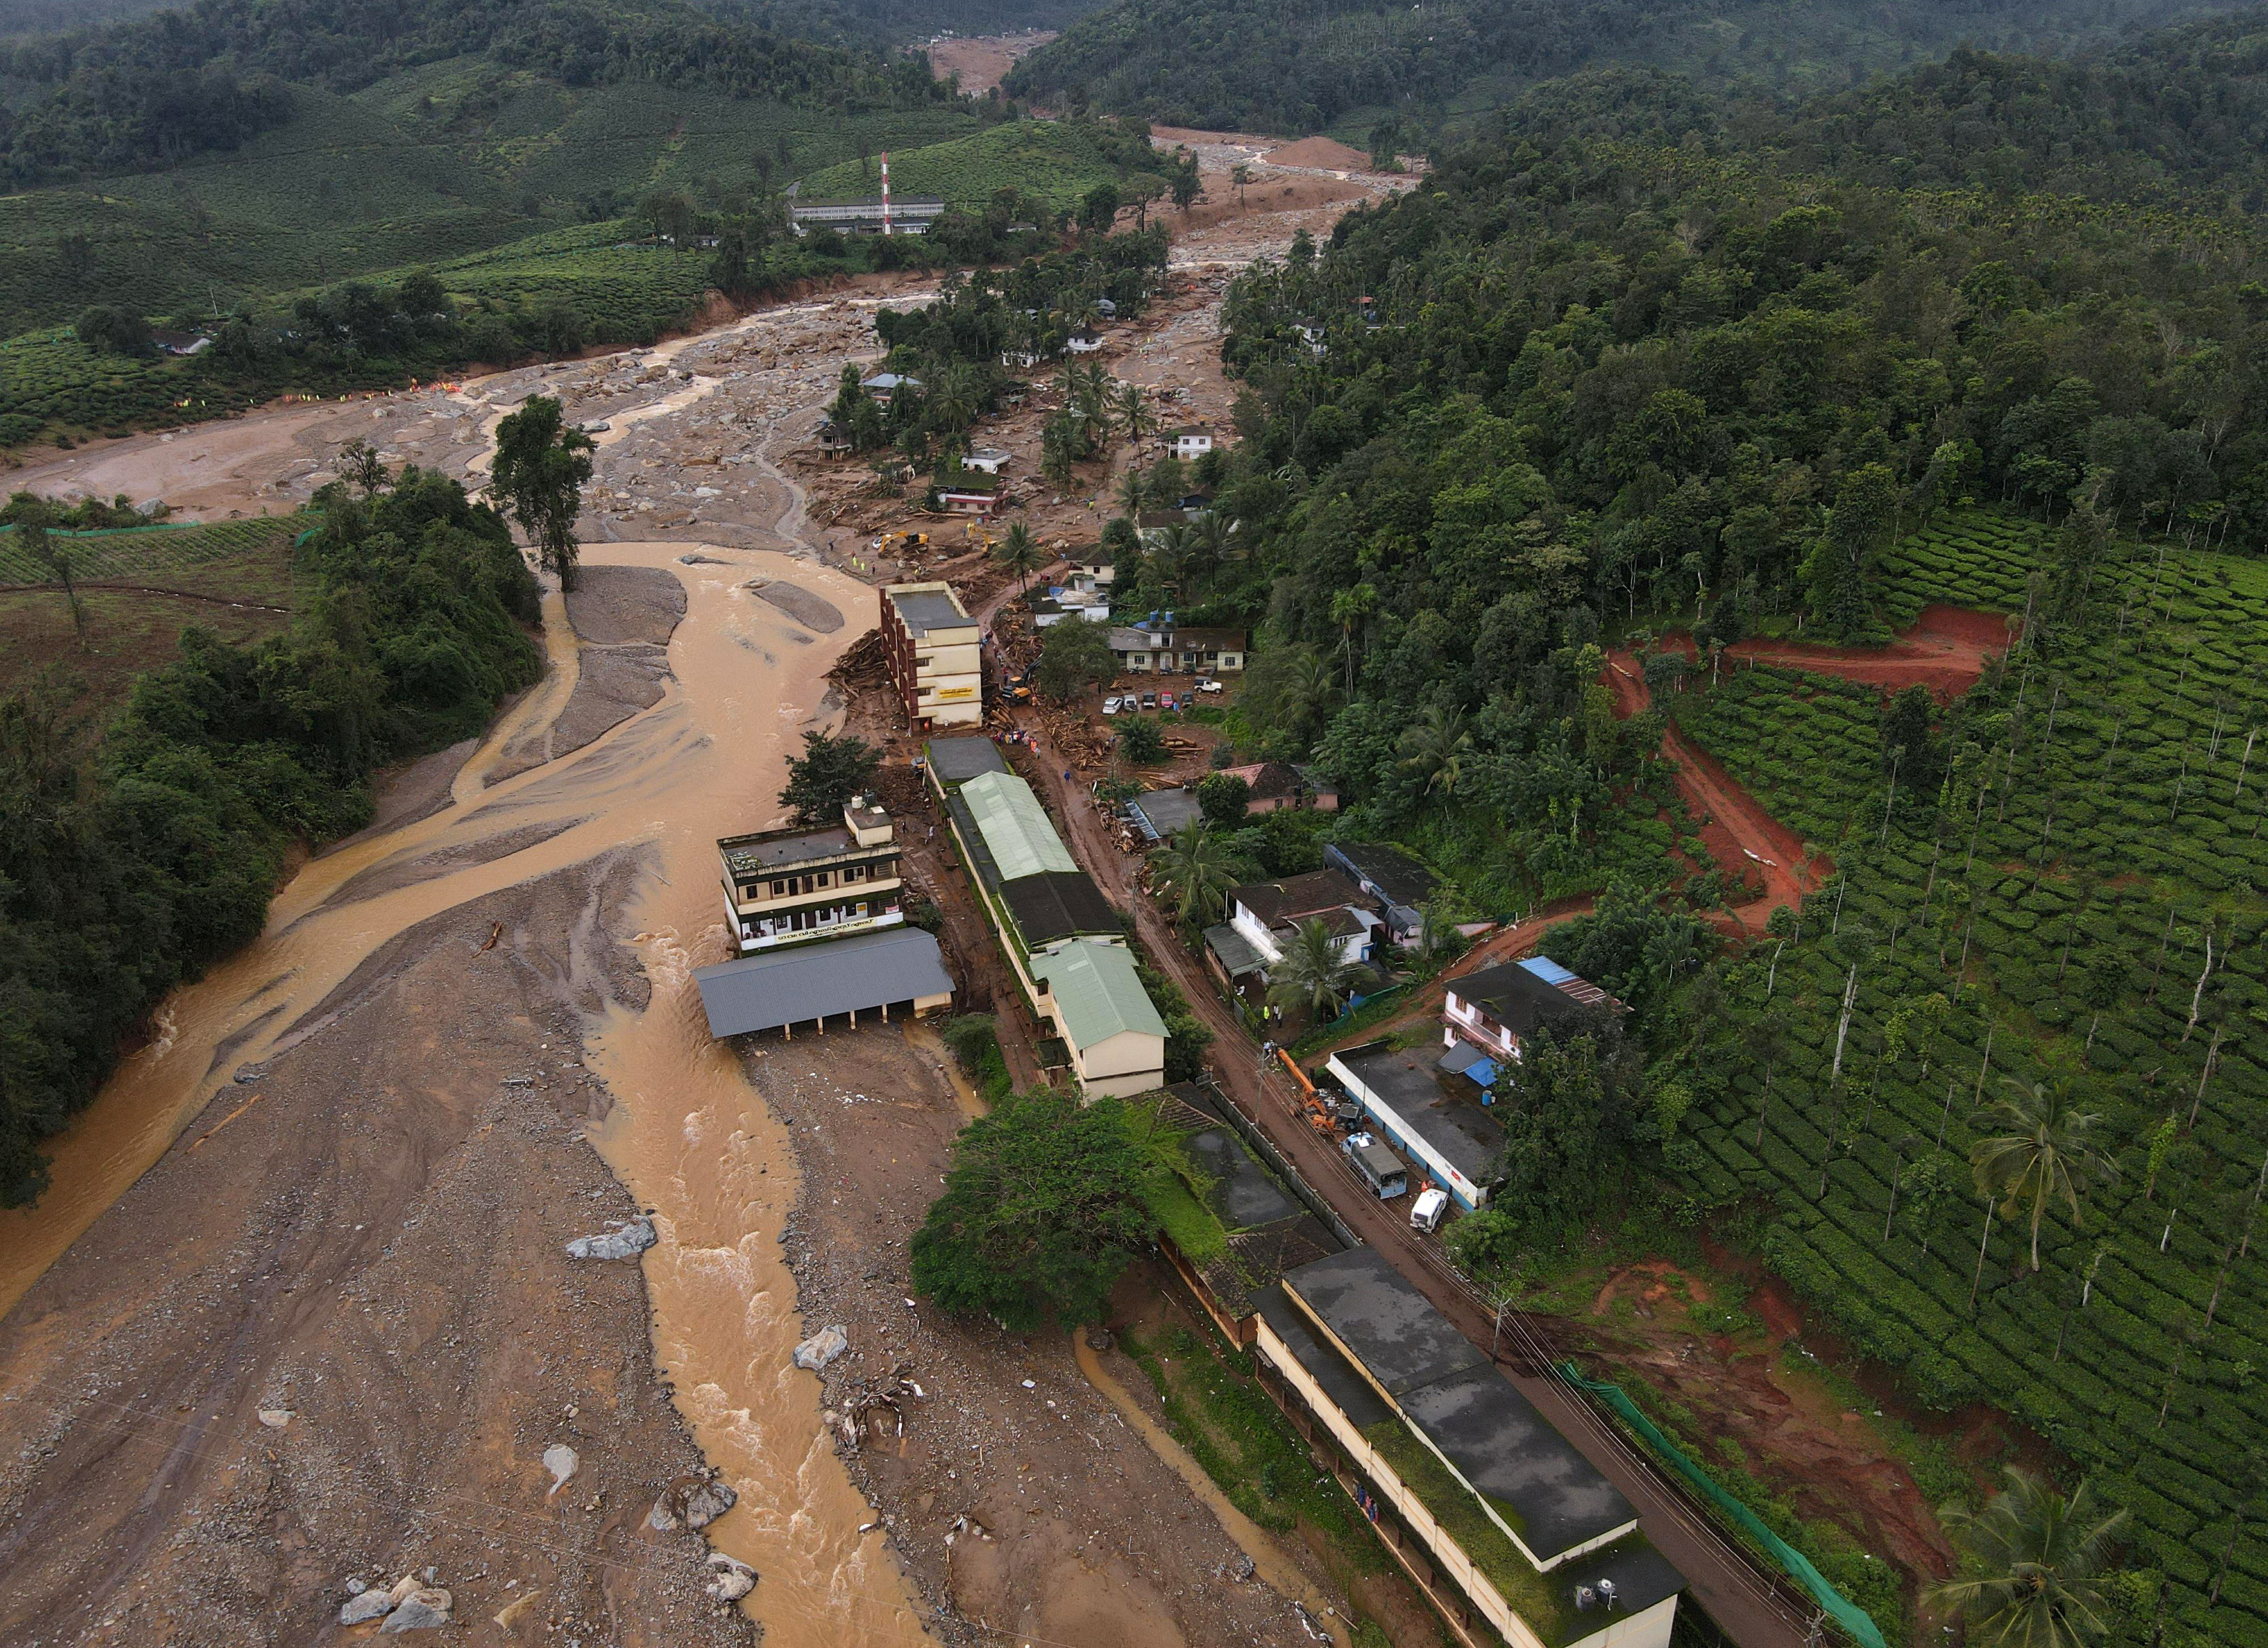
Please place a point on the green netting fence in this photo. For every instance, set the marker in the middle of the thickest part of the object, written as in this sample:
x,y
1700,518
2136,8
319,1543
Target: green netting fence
x,y
1845,1612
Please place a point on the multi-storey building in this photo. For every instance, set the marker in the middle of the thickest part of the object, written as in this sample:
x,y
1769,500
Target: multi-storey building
x,y
792,885
935,655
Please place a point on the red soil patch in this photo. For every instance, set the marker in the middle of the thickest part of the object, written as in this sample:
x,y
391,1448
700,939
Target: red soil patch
x,y
1945,650
983,61
1320,151
1739,832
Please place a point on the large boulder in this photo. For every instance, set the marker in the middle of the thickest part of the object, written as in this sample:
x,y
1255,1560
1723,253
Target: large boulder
x,y
732,1579
821,1348
622,1241
692,1502
422,1609
370,1605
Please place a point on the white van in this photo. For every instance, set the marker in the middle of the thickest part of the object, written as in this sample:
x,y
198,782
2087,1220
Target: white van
x,y
1425,1212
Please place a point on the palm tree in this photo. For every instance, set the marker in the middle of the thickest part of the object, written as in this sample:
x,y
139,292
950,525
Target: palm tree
x,y
1313,977
2041,1156
1209,542
1192,869
1133,493
1019,552
1312,687
2043,1559
1435,748
1058,448
1171,557
1135,418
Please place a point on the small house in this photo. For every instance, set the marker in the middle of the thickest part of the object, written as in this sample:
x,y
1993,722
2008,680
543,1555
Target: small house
x,y
1397,881
1190,442
986,460
833,439
969,499
883,386
1157,646
1278,786
1492,1012
1085,341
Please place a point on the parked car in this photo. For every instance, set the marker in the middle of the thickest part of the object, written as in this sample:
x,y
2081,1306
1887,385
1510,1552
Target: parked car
x,y
1379,1167
1112,704
1149,700
1207,684
1166,701
1425,1212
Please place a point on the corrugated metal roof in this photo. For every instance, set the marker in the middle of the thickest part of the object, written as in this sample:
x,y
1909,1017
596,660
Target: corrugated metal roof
x,y
1015,826
802,982
1097,993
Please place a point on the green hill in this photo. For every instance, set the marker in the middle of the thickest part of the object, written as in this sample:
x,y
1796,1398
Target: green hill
x,y
1289,66
1054,161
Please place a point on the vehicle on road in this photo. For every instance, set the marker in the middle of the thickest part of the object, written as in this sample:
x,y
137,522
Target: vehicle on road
x,y
1207,684
1149,700
1425,1212
1379,1167
1166,701
1113,704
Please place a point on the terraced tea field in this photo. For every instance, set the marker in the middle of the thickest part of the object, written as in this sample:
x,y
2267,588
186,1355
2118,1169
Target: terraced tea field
x,y
2083,894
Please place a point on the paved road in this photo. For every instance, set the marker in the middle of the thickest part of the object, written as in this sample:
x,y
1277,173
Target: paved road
x,y
1719,1577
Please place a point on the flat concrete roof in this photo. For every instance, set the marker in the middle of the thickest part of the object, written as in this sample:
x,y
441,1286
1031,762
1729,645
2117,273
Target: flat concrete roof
x,y
798,983
1442,1109
957,760
1515,1459
1389,1326
924,610
774,849
1398,877
1168,811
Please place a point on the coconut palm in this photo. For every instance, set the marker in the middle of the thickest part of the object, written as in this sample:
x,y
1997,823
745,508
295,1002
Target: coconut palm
x,y
2040,1155
1192,871
1133,494
1170,555
1312,687
2038,1562
1435,748
1313,977
1133,410
1211,540
1019,552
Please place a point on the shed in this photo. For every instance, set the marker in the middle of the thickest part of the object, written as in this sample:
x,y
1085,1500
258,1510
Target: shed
x,y
779,988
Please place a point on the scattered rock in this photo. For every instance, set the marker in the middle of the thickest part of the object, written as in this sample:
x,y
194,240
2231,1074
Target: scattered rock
x,y
356,1587
1100,1338
365,1607
275,1418
404,1587
422,1609
622,1242
561,1461
693,1502
733,1579
821,1348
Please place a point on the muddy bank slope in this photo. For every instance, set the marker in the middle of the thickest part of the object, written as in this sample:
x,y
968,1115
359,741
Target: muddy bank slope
x,y
331,1335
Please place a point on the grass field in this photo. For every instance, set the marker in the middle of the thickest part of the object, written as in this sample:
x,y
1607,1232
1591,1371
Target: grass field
x,y
2118,835
233,578
1044,159
447,160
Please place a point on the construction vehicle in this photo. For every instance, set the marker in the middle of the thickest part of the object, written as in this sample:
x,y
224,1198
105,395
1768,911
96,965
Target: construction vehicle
x,y
973,532
890,543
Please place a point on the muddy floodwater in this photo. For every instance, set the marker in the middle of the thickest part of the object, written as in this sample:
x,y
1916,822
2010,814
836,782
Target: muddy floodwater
x,y
683,1130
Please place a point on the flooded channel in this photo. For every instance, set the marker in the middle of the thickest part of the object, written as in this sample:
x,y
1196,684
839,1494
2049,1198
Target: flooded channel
x,y
686,1132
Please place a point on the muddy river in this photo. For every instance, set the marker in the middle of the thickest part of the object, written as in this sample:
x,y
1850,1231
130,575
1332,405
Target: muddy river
x,y
686,1132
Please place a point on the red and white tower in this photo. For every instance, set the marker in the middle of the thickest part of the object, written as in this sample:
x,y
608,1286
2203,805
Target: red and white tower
x,y
886,197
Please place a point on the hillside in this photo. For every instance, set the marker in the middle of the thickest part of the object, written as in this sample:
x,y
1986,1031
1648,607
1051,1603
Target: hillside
x,y
1622,372
1050,161
1272,65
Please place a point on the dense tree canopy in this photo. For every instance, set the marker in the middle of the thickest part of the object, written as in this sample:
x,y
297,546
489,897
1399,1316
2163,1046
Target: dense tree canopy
x,y
122,873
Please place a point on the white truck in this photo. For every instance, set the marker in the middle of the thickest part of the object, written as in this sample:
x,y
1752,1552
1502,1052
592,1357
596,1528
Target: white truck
x,y
1426,1212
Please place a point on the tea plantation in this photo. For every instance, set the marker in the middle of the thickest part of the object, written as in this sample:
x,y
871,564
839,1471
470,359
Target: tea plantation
x,y
144,552
2081,889
1047,160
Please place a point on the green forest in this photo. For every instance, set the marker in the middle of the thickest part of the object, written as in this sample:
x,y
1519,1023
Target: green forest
x,y
137,854
1346,67
1643,370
